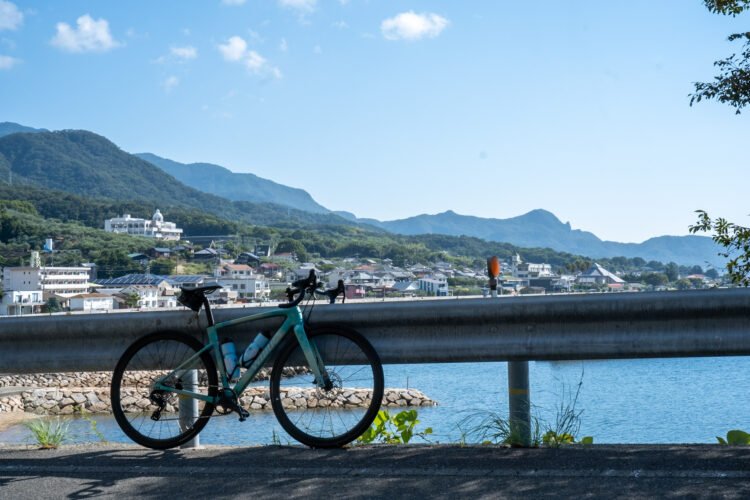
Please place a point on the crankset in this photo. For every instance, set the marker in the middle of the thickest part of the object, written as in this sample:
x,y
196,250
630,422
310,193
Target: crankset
x,y
227,403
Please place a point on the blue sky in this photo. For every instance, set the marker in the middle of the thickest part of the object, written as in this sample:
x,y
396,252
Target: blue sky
x,y
389,109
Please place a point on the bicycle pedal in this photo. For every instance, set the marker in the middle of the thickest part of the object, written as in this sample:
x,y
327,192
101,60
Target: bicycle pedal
x,y
243,414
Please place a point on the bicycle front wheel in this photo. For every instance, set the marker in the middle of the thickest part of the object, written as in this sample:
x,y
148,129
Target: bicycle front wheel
x,y
156,417
332,417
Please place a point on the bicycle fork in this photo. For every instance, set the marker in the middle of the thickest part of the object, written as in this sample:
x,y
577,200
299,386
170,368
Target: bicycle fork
x,y
312,354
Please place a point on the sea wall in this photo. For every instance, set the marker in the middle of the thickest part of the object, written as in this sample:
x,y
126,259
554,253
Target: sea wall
x,y
69,393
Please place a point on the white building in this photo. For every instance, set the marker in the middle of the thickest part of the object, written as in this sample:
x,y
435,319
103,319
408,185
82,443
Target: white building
x,y
434,284
92,302
16,303
521,269
240,278
148,295
61,281
154,228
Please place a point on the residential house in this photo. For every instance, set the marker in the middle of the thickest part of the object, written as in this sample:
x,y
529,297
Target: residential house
x,y
248,258
92,302
19,302
597,275
240,278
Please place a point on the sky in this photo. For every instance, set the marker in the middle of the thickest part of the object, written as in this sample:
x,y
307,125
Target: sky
x,y
390,109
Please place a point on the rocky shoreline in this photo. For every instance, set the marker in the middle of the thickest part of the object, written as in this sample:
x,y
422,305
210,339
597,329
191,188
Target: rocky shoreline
x,y
70,393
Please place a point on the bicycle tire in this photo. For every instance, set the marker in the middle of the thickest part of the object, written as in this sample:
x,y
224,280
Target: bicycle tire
x,y
299,412
146,359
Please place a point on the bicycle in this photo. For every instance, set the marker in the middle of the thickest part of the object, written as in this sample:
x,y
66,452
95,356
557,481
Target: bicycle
x,y
179,382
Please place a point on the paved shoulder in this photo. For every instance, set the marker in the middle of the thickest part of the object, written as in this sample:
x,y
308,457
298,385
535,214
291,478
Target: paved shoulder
x,y
377,471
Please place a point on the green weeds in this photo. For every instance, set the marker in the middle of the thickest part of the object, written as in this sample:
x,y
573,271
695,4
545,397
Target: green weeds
x,y
48,434
394,429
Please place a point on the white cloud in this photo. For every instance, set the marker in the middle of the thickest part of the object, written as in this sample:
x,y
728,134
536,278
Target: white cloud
x,y
10,17
7,62
89,35
235,50
340,25
185,53
233,2
413,26
170,83
283,45
304,6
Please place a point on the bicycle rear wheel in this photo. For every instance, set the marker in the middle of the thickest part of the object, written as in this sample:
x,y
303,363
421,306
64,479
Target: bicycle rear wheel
x,y
327,418
159,418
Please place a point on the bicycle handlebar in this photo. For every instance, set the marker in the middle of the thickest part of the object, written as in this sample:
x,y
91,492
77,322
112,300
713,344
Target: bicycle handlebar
x,y
300,288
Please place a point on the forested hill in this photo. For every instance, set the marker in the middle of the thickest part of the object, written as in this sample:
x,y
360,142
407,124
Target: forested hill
x,y
87,164
223,182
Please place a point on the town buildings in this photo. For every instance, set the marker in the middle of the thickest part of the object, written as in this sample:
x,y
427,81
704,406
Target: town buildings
x,y
156,227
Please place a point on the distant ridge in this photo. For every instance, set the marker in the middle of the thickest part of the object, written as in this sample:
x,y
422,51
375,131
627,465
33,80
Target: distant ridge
x,y
7,128
221,181
541,228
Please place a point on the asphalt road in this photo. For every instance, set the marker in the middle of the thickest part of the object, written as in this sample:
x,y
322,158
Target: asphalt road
x,y
600,471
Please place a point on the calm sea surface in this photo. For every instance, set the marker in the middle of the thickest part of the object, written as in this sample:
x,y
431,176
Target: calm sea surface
x,y
624,401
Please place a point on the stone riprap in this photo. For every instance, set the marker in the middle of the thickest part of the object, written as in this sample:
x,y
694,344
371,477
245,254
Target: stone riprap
x,y
68,393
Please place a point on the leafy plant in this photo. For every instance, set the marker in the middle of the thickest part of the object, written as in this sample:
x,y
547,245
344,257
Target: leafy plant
x,y
47,433
735,438
394,429
734,238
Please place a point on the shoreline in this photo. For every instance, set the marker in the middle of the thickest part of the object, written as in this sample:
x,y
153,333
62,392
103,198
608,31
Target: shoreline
x,y
9,419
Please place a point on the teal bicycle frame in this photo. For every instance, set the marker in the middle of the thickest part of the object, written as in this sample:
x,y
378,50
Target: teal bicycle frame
x,y
293,321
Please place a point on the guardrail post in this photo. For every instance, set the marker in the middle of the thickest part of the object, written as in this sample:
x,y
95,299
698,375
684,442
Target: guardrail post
x,y
189,407
519,402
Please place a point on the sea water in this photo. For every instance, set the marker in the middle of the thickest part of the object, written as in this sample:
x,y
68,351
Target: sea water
x,y
679,400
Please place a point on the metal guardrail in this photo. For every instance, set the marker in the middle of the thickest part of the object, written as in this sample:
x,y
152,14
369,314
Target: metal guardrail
x,y
558,327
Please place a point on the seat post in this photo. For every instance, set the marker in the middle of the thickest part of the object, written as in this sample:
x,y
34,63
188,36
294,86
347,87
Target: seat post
x,y
209,313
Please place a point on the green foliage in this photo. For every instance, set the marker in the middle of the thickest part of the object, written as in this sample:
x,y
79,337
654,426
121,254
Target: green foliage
x,y
727,7
162,266
735,438
52,305
489,427
48,434
734,238
131,300
732,85
672,271
396,429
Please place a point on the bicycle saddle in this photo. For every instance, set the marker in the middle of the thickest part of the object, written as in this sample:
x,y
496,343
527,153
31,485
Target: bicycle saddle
x,y
192,298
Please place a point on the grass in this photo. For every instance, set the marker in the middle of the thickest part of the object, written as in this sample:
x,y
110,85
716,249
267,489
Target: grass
x,y
490,427
48,434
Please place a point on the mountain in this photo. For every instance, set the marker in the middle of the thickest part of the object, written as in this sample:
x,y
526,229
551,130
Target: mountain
x,y
223,182
89,165
540,228
7,128
86,164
